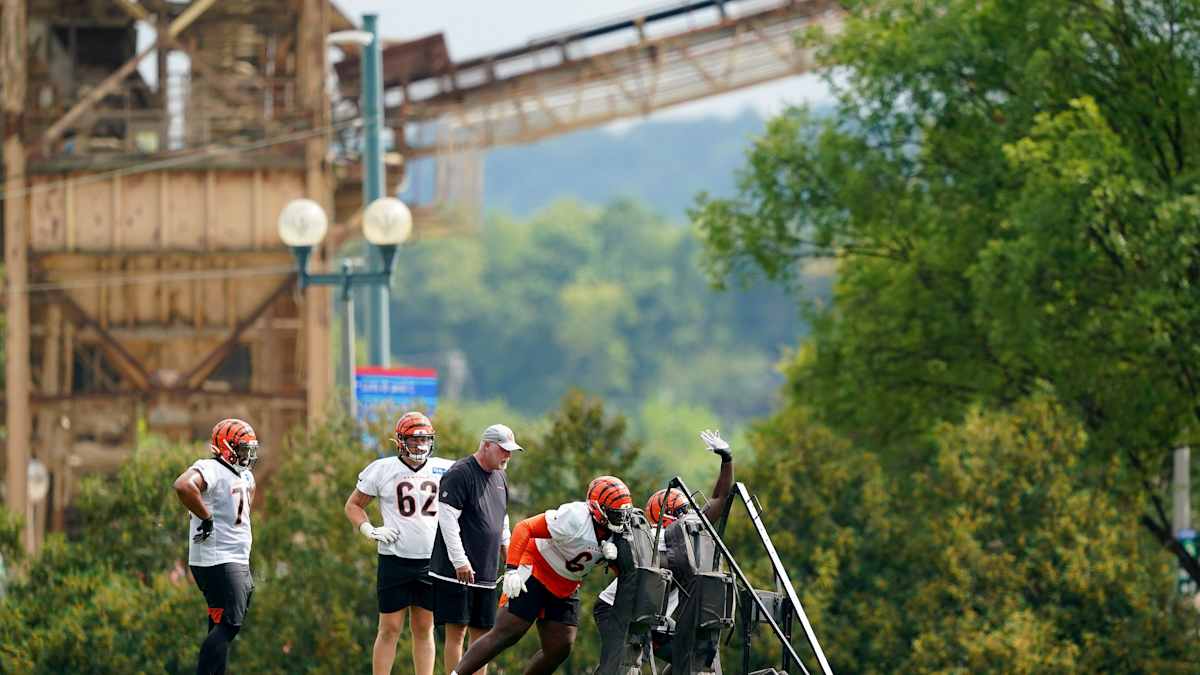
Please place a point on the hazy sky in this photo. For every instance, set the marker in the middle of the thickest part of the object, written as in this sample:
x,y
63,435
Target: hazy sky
x,y
473,27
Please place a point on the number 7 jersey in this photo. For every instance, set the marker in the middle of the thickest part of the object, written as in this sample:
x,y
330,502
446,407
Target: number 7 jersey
x,y
408,500
227,495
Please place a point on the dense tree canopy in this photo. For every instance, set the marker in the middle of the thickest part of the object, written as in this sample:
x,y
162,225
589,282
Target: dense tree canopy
x,y
609,300
1009,554
1011,191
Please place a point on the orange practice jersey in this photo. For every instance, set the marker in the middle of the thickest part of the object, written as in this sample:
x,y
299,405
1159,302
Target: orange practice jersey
x,y
564,547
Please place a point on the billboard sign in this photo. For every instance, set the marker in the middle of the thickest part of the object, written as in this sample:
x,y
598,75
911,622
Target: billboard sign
x,y
387,392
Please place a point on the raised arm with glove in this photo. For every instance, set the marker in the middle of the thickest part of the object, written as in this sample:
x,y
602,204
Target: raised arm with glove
x,y
724,485
714,442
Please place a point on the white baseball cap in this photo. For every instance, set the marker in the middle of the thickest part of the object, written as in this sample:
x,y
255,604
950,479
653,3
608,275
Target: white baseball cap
x,y
498,433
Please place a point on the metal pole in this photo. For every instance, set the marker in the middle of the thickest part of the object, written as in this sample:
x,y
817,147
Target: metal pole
x,y
348,341
781,576
378,322
741,576
1181,514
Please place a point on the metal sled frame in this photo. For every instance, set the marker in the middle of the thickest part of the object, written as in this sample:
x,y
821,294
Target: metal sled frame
x,y
781,575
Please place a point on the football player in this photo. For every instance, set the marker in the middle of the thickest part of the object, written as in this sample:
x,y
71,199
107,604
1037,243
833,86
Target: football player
x,y
548,557
665,506
218,492
407,488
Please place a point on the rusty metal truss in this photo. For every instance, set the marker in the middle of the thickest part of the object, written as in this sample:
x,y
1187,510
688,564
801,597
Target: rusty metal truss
x,y
626,68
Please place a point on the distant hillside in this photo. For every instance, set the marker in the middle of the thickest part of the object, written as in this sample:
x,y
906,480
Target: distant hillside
x,y
660,163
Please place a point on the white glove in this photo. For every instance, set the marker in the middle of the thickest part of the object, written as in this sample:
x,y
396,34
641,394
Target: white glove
x,y
608,550
714,442
383,534
514,585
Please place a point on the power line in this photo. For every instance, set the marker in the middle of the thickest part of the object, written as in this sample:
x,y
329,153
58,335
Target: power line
x,y
36,291
159,277
183,159
166,163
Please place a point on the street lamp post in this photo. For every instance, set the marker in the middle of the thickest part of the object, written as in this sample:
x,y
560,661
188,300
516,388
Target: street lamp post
x,y
387,223
374,176
379,346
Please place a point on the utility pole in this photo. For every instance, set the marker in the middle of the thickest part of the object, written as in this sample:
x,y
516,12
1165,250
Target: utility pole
x,y
13,54
1181,514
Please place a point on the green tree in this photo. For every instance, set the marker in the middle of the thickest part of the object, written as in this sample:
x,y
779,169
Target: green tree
x,y
1029,568
1009,554
596,316
1010,190
11,550
117,597
832,517
584,441
609,300
676,449
108,592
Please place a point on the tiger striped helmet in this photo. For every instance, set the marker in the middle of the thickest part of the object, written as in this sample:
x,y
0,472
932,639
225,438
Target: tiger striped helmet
x,y
414,436
610,502
234,442
667,505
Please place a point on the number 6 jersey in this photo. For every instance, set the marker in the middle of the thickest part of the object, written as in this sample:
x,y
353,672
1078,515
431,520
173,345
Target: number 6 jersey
x,y
563,548
408,500
227,496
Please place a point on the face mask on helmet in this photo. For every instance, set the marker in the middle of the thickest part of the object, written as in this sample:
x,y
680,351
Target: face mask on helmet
x,y
233,442
417,447
608,499
616,520
671,515
244,454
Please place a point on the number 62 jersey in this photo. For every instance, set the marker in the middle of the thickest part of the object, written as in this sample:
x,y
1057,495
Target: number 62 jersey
x,y
227,495
408,500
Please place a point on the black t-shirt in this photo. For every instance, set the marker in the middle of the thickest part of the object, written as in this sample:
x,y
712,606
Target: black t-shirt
x,y
483,498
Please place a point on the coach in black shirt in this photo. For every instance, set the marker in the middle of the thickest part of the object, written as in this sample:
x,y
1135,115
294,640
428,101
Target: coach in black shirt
x,y
466,550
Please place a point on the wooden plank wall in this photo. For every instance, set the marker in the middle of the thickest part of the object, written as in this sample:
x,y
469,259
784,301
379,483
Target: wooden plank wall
x,y
168,262
182,211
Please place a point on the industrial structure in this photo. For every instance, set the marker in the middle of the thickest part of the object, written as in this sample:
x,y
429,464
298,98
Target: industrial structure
x,y
145,286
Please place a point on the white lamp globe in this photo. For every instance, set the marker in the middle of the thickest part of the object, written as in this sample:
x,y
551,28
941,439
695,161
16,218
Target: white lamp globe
x,y
361,38
302,223
387,222
38,480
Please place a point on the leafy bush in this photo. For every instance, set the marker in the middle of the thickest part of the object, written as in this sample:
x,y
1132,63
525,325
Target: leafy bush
x,y
118,598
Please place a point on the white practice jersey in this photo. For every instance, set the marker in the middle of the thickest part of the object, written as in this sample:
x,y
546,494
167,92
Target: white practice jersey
x,y
227,495
408,500
572,550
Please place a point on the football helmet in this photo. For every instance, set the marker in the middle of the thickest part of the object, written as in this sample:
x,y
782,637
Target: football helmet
x,y
667,504
414,436
234,442
610,502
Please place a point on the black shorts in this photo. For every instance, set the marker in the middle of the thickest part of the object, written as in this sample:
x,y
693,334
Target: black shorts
x,y
537,602
462,605
403,582
227,589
